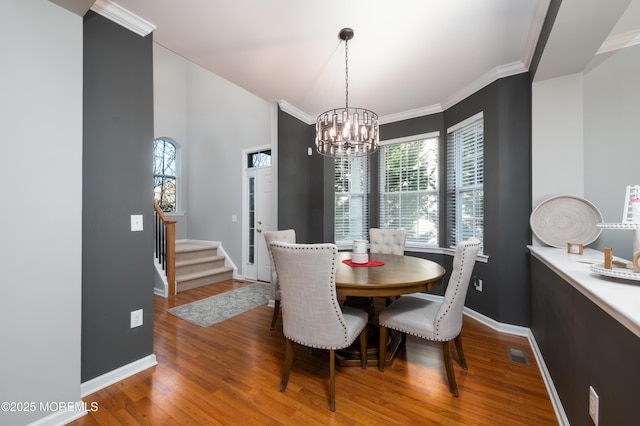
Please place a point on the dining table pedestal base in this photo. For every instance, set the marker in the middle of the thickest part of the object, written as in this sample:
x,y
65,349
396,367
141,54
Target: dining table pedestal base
x,y
393,275
350,357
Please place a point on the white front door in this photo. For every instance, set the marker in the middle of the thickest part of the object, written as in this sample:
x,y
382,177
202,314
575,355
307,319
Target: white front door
x,y
264,221
258,218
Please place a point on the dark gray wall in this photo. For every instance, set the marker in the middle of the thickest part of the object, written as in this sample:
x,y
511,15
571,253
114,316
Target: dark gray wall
x,y
117,268
506,105
300,181
584,346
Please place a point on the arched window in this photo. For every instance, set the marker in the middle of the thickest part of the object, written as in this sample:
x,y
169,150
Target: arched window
x,y
164,174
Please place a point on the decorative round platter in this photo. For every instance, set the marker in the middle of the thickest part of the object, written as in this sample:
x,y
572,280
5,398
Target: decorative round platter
x,y
566,219
623,273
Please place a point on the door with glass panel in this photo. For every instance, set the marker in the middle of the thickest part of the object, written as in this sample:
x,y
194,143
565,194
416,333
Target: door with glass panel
x,y
259,216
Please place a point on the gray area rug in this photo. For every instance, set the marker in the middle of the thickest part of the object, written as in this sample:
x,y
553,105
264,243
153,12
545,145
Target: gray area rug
x,y
215,309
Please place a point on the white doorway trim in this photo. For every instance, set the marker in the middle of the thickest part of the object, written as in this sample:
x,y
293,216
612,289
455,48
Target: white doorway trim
x,y
248,271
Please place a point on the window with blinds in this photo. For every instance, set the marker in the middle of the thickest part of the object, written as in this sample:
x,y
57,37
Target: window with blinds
x,y
465,180
351,199
409,189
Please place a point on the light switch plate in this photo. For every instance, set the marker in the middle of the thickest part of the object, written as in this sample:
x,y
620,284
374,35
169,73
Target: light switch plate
x,y
136,222
136,318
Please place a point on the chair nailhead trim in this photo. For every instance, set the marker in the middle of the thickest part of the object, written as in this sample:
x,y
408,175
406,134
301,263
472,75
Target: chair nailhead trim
x,y
332,290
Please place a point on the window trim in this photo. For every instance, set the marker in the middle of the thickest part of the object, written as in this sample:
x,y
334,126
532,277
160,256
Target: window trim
x,y
177,177
411,138
456,170
366,194
410,248
410,245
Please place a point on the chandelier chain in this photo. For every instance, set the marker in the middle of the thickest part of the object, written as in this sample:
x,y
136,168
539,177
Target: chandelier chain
x,y
346,66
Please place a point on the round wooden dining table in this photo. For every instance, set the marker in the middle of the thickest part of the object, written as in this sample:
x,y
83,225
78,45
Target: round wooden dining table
x,y
397,275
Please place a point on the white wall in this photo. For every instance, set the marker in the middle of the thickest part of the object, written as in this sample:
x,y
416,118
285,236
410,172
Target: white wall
x,y
170,119
41,122
213,120
612,141
557,131
557,158
585,142
223,120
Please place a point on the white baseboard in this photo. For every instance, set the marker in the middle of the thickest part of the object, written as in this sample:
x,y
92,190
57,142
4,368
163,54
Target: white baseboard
x,y
114,376
517,330
63,416
561,416
164,291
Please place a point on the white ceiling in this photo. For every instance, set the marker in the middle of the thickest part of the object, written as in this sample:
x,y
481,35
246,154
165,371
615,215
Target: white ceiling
x,y
408,57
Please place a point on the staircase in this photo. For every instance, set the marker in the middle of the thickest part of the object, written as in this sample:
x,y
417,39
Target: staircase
x,y
198,265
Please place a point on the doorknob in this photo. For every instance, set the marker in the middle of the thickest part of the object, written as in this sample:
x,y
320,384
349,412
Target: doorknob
x,y
259,230
259,222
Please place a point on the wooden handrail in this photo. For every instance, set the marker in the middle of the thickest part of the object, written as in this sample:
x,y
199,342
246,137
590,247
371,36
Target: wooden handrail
x,y
165,244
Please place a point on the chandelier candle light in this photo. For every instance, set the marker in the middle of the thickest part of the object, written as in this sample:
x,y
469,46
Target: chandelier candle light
x,y
347,132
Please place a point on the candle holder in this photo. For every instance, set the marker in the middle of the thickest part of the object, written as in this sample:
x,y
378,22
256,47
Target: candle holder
x,y
359,254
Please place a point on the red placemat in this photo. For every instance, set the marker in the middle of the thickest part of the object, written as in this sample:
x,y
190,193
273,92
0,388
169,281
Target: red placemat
x,y
369,263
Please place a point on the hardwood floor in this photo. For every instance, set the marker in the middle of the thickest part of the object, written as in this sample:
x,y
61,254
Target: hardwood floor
x,y
229,374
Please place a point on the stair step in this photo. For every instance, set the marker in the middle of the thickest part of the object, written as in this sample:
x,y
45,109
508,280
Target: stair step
x,y
194,246
197,265
190,251
198,279
196,261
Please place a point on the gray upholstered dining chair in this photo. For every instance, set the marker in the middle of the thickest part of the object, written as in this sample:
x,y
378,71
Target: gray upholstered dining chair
x,y
432,320
388,241
311,315
286,236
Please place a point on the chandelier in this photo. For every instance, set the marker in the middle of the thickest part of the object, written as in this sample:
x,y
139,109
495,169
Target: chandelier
x,y
347,132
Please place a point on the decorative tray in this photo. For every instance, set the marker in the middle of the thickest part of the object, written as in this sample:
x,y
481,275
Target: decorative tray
x,y
619,225
566,219
616,272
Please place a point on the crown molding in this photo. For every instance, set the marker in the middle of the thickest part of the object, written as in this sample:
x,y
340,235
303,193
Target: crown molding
x,y
412,113
122,16
620,42
295,112
484,80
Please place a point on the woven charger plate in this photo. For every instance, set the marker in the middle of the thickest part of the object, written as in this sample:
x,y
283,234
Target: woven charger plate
x,y
566,219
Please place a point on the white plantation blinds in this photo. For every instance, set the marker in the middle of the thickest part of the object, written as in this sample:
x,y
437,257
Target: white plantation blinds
x,y
465,180
409,190
351,199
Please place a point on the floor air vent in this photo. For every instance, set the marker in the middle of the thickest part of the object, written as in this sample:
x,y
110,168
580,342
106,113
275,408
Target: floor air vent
x,y
517,356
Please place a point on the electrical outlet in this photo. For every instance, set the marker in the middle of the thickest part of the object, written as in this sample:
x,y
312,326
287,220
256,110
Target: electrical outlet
x,y
136,222
136,318
594,405
477,284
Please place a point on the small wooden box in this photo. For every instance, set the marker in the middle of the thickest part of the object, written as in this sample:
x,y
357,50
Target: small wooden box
x,y
574,248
